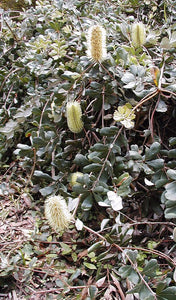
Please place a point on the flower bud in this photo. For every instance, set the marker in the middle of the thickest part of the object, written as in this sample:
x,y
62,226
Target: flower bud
x,y
57,213
138,34
74,115
96,43
74,176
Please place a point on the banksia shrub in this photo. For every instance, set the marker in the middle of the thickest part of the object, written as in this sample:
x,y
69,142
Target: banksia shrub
x,y
96,43
57,213
74,115
138,34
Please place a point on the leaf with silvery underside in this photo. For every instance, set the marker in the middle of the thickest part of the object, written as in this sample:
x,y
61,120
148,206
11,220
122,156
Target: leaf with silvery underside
x,y
171,174
171,191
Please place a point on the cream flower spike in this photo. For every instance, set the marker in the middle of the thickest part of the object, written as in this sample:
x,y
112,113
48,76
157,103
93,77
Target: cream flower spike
x,y
74,117
138,34
96,43
57,213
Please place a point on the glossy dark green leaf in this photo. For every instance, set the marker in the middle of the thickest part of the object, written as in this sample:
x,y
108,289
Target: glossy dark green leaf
x,y
152,152
100,147
80,160
109,131
167,294
87,203
156,163
172,153
43,175
94,167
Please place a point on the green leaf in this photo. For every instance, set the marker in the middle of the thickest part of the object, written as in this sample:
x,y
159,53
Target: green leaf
x,y
70,75
109,131
87,203
171,174
144,292
125,271
66,249
156,163
150,268
100,147
172,153
93,292
95,246
160,287
167,294
132,255
153,151
43,175
90,266
135,155
39,142
170,213
172,141
48,190
80,160
171,191
124,188
92,168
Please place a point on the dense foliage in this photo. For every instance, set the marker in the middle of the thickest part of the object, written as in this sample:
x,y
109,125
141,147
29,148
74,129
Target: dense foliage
x,y
44,66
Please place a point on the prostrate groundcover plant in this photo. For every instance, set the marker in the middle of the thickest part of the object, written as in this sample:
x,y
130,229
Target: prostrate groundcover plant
x,y
87,147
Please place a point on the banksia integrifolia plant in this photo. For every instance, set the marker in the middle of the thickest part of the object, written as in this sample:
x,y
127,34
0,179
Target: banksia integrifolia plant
x,y
96,43
138,34
57,213
74,115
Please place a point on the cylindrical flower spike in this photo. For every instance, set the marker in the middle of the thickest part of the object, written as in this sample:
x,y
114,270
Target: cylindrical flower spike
x,y
138,34
96,43
57,213
74,115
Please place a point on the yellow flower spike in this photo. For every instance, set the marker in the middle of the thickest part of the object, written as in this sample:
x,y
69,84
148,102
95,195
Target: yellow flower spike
x,y
74,115
57,213
96,43
124,115
138,34
73,179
